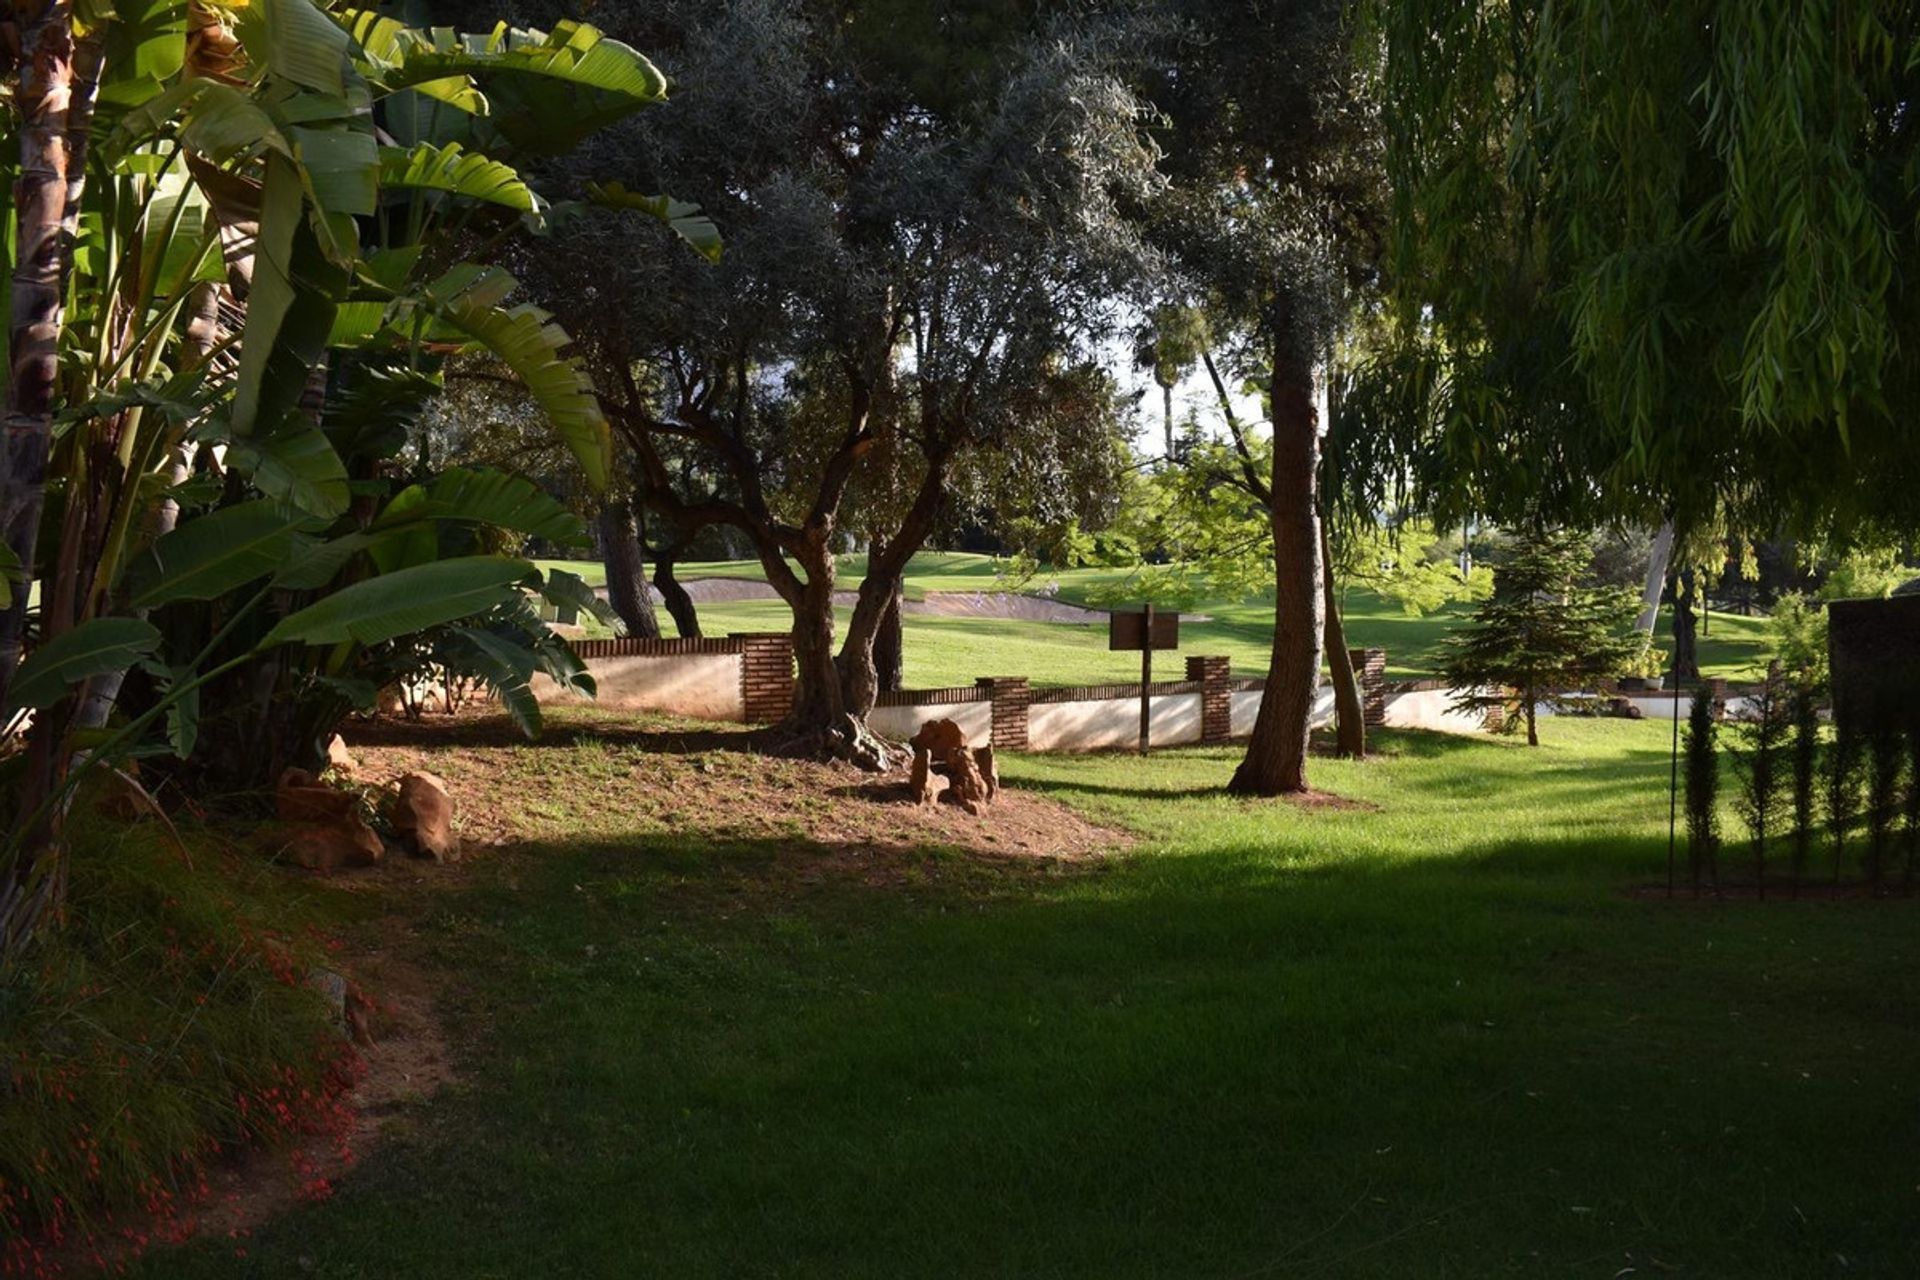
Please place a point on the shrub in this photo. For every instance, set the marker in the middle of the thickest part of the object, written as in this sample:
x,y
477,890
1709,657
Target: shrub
x,y
1763,734
161,1025
1843,793
1806,769
1885,756
1703,788
1799,631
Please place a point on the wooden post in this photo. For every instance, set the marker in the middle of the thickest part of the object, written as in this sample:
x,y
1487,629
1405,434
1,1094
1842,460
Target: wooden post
x,y
1146,683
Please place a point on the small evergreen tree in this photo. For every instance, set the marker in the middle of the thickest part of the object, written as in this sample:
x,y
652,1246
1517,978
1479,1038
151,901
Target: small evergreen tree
x,y
1912,831
1843,792
1542,631
1763,733
1885,756
1806,774
1703,789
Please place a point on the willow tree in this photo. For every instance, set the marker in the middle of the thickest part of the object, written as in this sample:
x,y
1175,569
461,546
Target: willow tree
x,y
1660,256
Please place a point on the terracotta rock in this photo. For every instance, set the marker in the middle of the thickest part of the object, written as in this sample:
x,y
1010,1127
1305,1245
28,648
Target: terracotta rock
x,y
969,789
314,803
327,847
989,769
338,757
423,817
922,782
939,738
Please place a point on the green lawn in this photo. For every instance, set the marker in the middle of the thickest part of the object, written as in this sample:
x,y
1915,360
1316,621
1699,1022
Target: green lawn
x,y
953,651
1428,1037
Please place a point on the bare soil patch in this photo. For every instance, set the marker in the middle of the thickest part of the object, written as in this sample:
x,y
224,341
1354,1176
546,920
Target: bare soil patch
x,y
597,780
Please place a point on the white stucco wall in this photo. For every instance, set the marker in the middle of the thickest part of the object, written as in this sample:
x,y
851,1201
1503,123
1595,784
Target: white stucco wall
x,y
900,723
1111,722
1432,709
705,686
1246,708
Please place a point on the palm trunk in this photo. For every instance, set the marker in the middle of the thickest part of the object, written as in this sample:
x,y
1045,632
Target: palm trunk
x,y
1276,759
1350,717
36,300
626,571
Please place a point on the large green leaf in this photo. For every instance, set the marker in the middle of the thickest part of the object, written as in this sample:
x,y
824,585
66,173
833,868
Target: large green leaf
x,y
93,648
570,589
507,667
457,171
524,340
544,92
302,45
484,496
272,293
398,604
212,554
683,218
295,463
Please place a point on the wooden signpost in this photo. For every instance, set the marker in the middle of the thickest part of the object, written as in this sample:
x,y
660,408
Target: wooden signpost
x,y
1146,631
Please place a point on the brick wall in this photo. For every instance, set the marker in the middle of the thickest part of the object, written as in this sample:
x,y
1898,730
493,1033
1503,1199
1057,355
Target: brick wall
x,y
1216,696
1011,696
1370,669
766,674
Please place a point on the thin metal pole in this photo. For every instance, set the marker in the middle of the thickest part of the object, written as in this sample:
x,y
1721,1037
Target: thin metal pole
x,y
1673,779
1146,680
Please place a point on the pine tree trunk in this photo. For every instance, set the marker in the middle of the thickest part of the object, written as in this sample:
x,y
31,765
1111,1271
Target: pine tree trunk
x,y
1166,405
1533,726
1276,759
1350,717
626,571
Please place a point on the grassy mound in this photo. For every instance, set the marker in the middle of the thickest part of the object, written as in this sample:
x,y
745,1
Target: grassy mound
x,y
169,1020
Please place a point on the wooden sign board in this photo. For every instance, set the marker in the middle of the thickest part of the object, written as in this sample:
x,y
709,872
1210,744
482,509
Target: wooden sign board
x,y
1873,647
1128,631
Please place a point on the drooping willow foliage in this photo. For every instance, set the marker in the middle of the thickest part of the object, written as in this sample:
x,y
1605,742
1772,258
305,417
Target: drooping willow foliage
x,y
1667,247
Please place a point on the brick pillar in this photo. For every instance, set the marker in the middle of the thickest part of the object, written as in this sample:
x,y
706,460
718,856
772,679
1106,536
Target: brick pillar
x,y
1717,690
766,675
1370,669
1216,696
1011,697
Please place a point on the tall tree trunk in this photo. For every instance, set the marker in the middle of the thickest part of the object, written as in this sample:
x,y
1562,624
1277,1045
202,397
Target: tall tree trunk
x,y
1166,406
626,571
1533,713
1350,717
686,618
1276,759
1659,555
33,884
42,99
1686,653
889,644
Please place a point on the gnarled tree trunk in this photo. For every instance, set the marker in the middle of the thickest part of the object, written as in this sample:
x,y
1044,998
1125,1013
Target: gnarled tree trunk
x,y
680,607
1276,759
889,644
626,571
880,591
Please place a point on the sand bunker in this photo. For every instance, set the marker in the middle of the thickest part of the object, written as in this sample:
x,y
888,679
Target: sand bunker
x,y
944,604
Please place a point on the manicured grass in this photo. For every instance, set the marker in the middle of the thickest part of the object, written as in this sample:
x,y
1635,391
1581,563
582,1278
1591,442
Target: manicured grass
x,y
1430,1036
